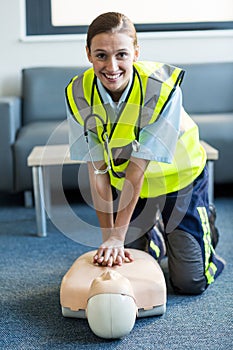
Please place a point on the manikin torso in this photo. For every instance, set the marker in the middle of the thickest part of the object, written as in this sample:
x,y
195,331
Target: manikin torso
x,y
144,274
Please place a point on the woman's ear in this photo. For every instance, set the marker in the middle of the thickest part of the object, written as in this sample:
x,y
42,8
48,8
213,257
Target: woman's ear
x,y
136,53
88,54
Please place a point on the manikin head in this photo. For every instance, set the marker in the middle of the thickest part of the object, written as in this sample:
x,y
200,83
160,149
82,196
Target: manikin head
x,y
111,309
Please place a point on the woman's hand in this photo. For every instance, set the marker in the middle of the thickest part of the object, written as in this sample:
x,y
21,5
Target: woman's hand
x,y
112,252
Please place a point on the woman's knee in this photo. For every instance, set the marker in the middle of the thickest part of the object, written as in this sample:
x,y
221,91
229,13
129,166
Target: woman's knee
x,y
185,263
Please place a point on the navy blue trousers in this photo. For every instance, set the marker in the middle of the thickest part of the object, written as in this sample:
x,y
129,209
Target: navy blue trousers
x,y
193,263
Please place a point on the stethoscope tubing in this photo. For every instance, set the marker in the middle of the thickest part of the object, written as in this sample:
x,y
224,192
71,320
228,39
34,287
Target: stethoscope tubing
x,y
104,135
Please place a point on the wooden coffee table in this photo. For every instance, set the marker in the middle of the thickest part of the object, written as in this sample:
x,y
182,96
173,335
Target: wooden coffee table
x,y
45,156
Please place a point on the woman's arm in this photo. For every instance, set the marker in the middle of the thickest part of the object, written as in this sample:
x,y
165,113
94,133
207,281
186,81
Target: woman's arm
x,y
102,198
112,250
130,193
103,202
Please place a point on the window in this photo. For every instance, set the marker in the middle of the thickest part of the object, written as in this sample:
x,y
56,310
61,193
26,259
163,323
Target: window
x,y
54,17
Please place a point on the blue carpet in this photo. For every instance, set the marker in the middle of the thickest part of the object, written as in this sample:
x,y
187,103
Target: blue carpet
x,y
31,273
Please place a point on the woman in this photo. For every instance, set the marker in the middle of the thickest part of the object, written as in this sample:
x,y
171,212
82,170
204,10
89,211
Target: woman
x,y
143,146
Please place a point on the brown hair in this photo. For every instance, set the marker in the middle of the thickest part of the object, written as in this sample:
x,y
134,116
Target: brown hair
x,y
111,22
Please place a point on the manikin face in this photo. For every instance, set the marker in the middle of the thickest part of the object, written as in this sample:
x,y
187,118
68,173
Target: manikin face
x,y
112,56
111,281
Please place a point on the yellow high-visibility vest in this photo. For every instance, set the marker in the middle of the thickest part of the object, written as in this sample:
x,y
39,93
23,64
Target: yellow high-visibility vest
x,y
152,87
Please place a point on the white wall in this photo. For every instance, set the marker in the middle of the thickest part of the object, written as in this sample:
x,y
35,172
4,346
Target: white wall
x,y
17,54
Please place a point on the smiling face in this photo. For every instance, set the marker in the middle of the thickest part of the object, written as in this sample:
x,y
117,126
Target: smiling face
x,y
112,55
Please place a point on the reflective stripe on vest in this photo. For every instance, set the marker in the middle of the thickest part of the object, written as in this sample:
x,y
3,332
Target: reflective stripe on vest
x,y
159,80
78,97
210,267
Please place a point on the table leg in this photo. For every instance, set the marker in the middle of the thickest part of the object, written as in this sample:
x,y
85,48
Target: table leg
x,y
38,187
210,164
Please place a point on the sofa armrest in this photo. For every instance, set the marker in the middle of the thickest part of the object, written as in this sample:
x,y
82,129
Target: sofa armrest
x,y
10,121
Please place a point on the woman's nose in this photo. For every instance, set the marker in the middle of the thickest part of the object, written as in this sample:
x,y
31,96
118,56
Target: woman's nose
x,y
112,65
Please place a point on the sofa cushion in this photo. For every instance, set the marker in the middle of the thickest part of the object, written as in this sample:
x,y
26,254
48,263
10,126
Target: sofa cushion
x,y
43,92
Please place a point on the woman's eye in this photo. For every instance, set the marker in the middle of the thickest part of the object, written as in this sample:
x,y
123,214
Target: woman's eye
x,y
122,54
101,56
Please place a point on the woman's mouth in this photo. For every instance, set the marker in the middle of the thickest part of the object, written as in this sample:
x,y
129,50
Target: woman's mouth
x,y
112,77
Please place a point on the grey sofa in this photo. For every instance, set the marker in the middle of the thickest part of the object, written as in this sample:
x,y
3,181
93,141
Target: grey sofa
x,y
30,120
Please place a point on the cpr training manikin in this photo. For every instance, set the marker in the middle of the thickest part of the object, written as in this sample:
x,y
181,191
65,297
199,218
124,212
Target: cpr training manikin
x,y
111,298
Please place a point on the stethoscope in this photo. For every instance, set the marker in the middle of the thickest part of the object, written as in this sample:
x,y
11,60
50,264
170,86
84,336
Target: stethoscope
x,y
104,135
105,138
